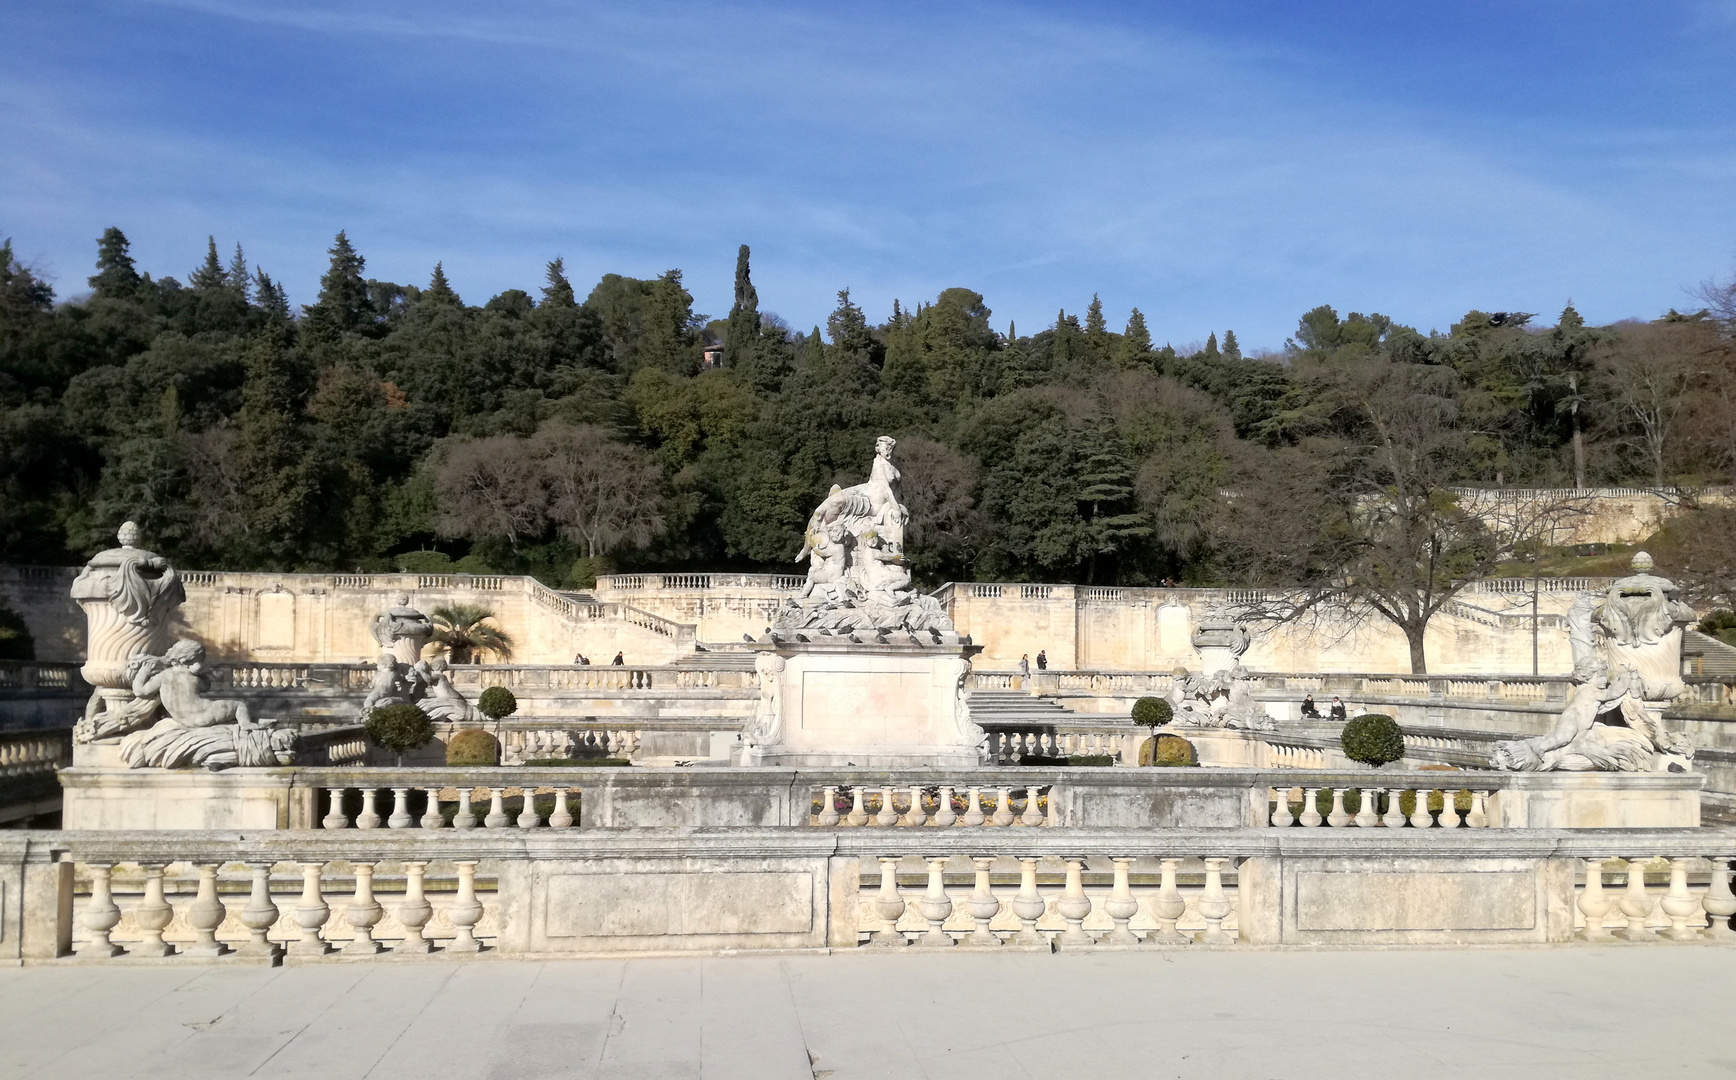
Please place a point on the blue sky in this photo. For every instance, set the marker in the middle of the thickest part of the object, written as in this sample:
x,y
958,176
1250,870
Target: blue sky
x,y
1220,166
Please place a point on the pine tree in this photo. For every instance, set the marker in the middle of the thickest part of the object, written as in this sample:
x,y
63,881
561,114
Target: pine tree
x,y
343,306
669,341
558,291
211,274
1212,344
269,296
1232,351
848,328
439,290
238,278
1113,521
1135,348
742,334
115,278
1096,330
277,487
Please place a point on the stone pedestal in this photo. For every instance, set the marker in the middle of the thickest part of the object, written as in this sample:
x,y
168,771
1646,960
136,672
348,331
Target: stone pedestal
x,y
875,705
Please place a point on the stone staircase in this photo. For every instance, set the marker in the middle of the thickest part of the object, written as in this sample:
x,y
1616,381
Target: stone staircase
x,y
1009,708
721,659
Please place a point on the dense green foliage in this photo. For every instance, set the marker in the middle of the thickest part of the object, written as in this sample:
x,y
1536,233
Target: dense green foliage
x,y
560,434
1372,739
1153,711
399,728
473,746
496,702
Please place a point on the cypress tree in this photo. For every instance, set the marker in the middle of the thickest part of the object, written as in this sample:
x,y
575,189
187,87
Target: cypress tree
x,y
1232,350
743,331
1113,520
439,290
1212,344
116,278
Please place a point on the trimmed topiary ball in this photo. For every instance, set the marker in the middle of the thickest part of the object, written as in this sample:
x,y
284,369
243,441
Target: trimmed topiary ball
x,y
496,702
473,746
1153,712
1372,739
399,728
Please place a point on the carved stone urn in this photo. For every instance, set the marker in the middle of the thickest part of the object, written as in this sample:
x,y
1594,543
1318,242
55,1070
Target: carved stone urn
x,y
129,597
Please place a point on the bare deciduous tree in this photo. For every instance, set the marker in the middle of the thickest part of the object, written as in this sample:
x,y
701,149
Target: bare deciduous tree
x,y
490,487
601,493
1649,373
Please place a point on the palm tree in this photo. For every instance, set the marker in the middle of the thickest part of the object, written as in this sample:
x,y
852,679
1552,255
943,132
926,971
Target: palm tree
x,y
464,630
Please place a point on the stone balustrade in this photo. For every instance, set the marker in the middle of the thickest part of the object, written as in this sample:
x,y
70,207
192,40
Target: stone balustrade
x,y
32,752
940,806
308,896
1011,744
1408,805
407,806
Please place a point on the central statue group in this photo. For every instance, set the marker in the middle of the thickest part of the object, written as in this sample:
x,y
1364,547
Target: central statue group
x,y
858,580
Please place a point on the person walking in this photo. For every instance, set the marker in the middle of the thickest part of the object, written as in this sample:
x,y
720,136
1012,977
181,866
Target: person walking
x,y
617,661
1338,710
1024,670
1042,660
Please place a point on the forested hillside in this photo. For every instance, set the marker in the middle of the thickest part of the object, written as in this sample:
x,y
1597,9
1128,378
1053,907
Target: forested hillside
x,y
560,433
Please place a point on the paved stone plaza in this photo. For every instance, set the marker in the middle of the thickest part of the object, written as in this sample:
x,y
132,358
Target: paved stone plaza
x,y
1594,1011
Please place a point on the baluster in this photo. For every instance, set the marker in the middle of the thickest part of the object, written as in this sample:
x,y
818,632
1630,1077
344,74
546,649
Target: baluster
x,y
982,904
335,817
1594,903
1680,904
1450,809
829,807
1394,816
369,818
1311,818
260,914
1029,905
888,904
1419,817
1121,906
431,818
1478,818
101,913
973,808
363,913
1214,905
858,814
1033,815
497,816
1636,904
1074,906
414,911
153,914
1281,816
528,818
465,911
465,818
935,906
1168,907
944,815
400,818
205,914
1366,818
887,817
1338,818
311,913
916,816
1003,807
1719,902
562,818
